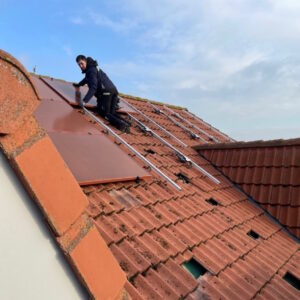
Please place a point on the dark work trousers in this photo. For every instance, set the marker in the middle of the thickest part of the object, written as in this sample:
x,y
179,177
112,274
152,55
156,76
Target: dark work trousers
x,y
106,105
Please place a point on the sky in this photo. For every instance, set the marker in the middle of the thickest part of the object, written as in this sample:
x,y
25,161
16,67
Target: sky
x,y
234,63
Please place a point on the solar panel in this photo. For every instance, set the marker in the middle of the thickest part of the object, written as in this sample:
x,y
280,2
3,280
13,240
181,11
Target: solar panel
x,y
68,92
94,159
58,116
44,90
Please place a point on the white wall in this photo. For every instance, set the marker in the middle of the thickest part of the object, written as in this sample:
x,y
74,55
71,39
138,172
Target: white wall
x,y
31,264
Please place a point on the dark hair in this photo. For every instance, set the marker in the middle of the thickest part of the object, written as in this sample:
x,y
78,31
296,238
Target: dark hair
x,y
80,57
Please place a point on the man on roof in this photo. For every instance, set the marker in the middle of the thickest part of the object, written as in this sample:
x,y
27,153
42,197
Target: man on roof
x,y
103,89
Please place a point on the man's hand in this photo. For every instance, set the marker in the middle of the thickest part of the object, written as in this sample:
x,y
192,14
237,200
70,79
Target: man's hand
x,y
80,103
76,85
78,99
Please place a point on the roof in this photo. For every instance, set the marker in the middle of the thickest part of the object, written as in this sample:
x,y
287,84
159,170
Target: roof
x,y
153,230
268,171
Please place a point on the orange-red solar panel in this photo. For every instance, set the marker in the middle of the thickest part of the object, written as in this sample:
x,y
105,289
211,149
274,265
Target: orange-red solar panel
x,y
95,159
57,115
67,91
44,90
89,154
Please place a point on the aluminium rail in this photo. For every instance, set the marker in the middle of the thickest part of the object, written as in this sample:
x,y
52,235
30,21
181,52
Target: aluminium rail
x,y
159,126
192,134
183,158
145,160
210,127
191,124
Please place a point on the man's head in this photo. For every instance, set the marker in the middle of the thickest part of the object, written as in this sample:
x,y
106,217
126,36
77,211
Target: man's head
x,y
81,61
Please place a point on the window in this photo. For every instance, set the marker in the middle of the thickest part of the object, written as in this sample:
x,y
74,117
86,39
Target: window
x,y
194,267
292,280
183,177
212,201
253,234
150,151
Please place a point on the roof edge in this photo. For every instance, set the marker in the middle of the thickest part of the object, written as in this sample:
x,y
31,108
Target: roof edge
x,y
251,144
152,101
5,56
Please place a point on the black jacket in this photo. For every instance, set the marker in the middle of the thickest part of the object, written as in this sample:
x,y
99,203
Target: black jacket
x,y
97,81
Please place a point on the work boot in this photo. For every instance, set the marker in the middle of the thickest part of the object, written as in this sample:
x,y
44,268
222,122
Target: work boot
x,y
122,126
127,122
118,123
127,129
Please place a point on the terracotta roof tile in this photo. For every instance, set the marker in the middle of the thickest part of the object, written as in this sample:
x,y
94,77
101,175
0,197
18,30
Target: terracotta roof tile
x,y
171,239
151,229
143,249
268,171
133,291
105,202
161,286
173,279
145,288
109,230
130,260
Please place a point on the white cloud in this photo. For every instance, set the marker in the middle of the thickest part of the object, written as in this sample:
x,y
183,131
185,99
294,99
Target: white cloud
x,y
122,25
77,20
228,60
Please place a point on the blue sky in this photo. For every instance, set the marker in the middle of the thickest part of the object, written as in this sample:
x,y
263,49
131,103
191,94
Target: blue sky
x,y
235,63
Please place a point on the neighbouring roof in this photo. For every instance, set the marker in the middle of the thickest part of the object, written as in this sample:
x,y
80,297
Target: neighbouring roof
x,y
268,171
155,232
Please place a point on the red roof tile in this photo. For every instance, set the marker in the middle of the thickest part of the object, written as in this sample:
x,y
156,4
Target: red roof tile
x,y
267,171
151,229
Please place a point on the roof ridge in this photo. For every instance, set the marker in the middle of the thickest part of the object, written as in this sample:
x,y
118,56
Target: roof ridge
x,y
121,94
251,144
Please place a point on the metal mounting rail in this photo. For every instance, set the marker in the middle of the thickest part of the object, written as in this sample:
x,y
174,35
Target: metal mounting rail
x,y
145,160
160,127
210,127
191,124
192,134
180,155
